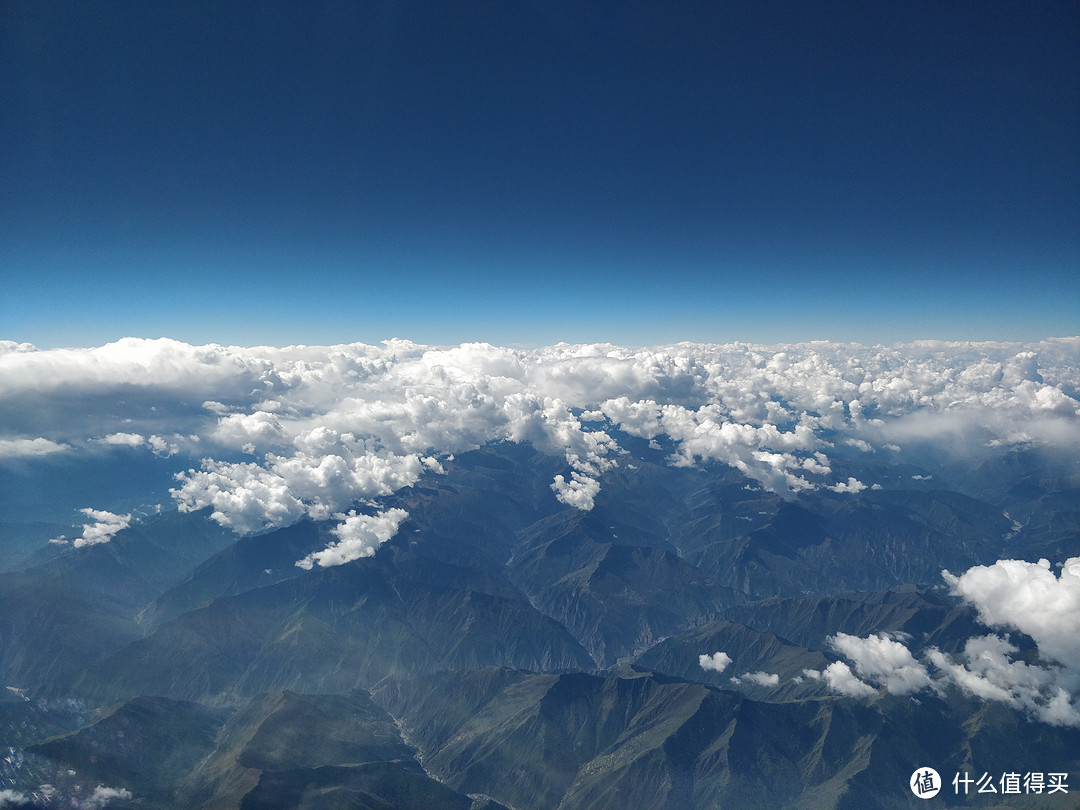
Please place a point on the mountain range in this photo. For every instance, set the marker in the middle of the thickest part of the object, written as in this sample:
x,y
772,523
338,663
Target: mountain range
x,y
503,650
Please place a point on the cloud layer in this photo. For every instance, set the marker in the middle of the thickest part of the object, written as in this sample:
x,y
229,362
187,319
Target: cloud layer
x,y
266,436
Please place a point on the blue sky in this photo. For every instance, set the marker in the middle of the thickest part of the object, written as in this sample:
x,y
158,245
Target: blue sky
x,y
525,173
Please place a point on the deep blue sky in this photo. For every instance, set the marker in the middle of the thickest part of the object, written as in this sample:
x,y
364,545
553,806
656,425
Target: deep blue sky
x,y
528,172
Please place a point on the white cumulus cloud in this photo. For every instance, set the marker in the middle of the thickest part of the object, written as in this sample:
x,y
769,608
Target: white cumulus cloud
x,y
244,497
852,485
759,678
717,662
843,681
884,661
29,448
124,439
1030,598
164,447
105,525
358,536
986,670
102,797
578,492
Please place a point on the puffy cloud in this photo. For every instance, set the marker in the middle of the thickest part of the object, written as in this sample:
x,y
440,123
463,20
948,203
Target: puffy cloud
x,y
102,797
818,464
986,671
578,492
107,524
853,485
358,536
859,444
369,446
717,662
124,439
159,445
1028,597
330,482
9,797
759,678
884,661
986,656
163,447
763,453
842,680
29,448
244,497
260,427
332,472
